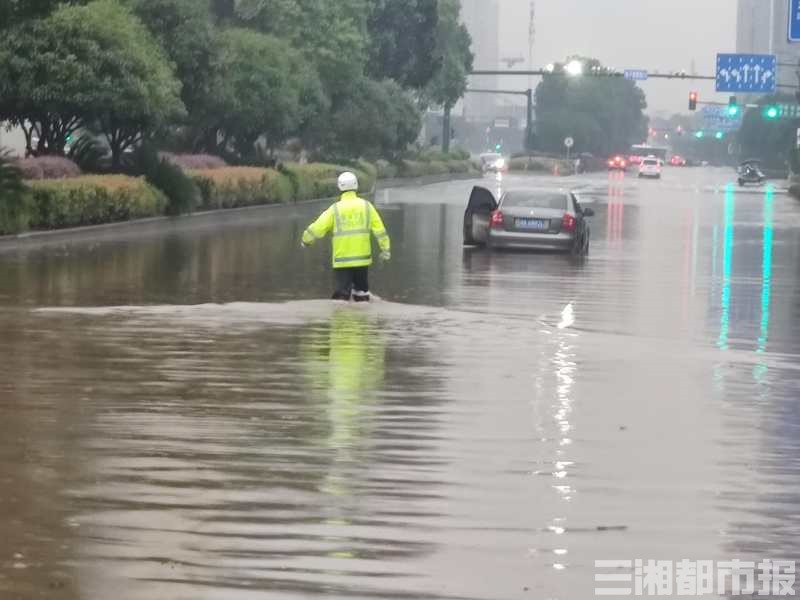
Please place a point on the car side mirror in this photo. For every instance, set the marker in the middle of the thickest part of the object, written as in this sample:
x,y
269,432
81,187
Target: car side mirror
x,y
588,212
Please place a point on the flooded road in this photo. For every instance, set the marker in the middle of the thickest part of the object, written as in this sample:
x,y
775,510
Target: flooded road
x,y
185,417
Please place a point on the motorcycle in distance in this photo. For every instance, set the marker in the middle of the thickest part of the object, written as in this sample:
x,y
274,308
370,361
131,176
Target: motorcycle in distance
x,y
750,172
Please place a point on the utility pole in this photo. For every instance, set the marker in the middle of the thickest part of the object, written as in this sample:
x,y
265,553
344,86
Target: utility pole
x,y
531,39
529,125
529,113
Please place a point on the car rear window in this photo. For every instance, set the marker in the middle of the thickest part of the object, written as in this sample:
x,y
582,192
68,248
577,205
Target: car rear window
x,y
535,200
651,162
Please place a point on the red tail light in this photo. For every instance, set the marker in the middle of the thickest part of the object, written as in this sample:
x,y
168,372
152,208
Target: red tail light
x,y
568,223
497,220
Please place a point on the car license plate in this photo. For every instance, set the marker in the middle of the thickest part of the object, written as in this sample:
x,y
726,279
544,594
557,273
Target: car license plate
x,y
533,224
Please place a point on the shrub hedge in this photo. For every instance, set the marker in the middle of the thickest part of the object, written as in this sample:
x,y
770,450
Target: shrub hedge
x,y
537,164
91,200
233,187
416,168
319,180
47,167
194,161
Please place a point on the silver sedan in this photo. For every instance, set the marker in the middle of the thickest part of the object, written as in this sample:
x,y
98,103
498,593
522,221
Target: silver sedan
x,y
535,219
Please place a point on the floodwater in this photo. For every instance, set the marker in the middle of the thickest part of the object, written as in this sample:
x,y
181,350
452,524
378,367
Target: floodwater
x,y
184,415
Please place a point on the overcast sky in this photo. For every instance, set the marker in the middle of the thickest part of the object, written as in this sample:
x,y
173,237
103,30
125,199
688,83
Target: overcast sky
x,y
649,34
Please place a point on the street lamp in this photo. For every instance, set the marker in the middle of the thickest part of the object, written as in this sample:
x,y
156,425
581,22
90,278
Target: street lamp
x,y
574,68
550,68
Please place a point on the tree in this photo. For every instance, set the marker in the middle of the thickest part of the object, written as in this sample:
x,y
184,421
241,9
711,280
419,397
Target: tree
x,y
15,11
185,29
602,112
771,140
402,39
331,34
86,66
378,120
253,97
453,58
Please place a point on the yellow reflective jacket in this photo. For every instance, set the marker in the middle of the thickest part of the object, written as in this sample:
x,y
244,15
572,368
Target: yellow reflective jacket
x,y
352,220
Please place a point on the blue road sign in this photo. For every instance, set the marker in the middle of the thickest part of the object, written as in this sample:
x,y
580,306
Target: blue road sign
x,y
794,20
637,74
754,73
717,118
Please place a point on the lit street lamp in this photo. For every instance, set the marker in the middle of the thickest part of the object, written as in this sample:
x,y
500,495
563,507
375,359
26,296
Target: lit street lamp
x,y
574,68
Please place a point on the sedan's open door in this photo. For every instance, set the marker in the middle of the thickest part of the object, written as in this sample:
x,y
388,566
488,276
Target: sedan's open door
x,y
476,218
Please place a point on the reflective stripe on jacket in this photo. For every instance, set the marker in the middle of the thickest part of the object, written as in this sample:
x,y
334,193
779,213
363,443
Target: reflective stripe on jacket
x,y
351,220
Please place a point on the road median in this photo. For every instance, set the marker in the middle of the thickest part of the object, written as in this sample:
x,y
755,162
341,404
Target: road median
x,y
214,210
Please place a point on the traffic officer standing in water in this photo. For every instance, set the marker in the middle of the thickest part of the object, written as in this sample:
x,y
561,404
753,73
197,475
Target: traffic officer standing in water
x,y
353,221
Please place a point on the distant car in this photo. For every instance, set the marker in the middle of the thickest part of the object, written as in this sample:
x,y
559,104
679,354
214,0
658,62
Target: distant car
x,y
533,219
750,172
677,161
491,162
650,167
617,163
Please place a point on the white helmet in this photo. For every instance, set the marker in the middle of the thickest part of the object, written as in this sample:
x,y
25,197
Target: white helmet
x,y
348,182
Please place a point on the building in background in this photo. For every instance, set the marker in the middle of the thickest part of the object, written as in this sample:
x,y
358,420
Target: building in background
x,y
763,28
482,18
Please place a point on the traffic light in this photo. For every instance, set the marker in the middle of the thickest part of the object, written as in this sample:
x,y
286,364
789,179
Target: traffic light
x,y
700,135
498,147
771,112
692,100
720,135
733,107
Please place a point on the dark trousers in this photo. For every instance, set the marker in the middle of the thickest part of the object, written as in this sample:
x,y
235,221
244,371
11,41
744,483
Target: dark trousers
x,y
352,282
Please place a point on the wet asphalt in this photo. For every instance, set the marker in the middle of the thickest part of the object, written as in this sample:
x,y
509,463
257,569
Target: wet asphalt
x,y
185,415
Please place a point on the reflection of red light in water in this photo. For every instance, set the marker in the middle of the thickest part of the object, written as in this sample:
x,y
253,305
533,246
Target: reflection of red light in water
x,y
616,209
688,250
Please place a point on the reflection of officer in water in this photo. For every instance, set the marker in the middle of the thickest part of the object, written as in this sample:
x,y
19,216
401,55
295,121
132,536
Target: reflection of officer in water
x,y
345,371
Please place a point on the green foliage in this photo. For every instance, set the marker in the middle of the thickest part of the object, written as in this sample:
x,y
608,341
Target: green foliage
x,y
603,114
403,37
386,170
772,141
185,30
13,198
412,168
452,56
319,180
87,153
377,120
331,34
233,187
91,200
537,164
14,11
436,155
181,191
239,78
93,65
254,97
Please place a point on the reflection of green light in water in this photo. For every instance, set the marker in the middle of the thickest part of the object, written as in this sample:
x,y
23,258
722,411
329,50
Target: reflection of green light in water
x,y
760,370
727,268
766,268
